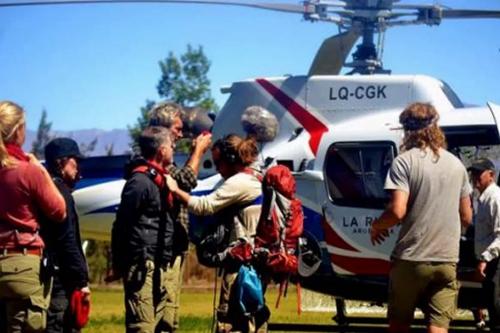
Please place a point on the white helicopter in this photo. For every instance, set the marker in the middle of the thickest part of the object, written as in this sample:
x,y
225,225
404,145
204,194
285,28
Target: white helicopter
x,y
338,134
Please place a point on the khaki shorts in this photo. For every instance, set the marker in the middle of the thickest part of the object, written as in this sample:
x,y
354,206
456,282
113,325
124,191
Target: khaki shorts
x,y
173,283
431,286
145,297
24,297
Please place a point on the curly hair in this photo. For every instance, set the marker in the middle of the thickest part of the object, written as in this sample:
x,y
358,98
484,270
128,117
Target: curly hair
x,y
164,113
419,122
260,123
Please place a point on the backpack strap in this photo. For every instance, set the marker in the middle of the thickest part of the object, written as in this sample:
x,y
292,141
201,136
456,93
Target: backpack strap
x,y
272,203
158,179
154,175
252,172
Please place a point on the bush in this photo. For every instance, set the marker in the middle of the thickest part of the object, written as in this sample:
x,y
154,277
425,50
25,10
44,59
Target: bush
x,y
97,259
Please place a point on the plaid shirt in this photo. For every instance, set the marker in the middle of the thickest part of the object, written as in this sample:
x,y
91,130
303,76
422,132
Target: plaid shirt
x,y
186,179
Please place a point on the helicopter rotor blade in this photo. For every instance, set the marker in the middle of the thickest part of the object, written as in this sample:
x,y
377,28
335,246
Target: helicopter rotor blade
x,y
282,7
470,13
333,52
446,12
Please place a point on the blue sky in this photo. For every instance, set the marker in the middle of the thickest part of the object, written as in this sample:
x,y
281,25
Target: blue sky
x,y
93,66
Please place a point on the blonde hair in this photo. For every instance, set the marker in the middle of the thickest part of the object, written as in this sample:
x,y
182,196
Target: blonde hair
x,y
164,114
11,118
419,121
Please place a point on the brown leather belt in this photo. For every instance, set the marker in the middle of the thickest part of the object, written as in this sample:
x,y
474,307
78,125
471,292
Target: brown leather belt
x,y
37,251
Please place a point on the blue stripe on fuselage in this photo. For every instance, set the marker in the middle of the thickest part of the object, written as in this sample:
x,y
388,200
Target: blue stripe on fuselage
x,y
87,182
109,209
312,223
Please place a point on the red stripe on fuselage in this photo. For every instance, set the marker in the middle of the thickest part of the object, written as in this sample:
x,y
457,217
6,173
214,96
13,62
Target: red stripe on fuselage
x,y
310,123
333,238
363,266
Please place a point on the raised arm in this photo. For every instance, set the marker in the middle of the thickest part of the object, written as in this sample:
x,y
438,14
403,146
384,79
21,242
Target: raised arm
x,y
228,193
200,146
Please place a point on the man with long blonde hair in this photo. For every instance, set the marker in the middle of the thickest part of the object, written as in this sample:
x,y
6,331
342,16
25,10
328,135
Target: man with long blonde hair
x,y
430,198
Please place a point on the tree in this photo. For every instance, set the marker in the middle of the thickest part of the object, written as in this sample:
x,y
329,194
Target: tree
x,y
186,82
109,149
42,136
142,122
96,255
183,81
87,148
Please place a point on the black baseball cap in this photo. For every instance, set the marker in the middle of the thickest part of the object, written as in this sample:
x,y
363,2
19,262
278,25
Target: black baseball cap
x,y
62,147
481,164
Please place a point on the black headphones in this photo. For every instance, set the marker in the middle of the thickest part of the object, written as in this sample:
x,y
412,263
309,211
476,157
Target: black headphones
x,y
227,151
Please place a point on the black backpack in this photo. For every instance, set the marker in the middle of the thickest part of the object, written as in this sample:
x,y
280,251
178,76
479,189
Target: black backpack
x,y
212,248
214,240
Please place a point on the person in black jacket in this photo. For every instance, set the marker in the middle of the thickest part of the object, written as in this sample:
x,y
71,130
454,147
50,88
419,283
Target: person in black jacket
x,y
142,235
169,115
63,243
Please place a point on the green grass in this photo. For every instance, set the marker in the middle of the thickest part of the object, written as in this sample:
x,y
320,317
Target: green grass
x,y
108,314
196,311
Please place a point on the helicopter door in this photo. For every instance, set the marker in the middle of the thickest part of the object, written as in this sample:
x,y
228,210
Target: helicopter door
x,y
354,175
468,141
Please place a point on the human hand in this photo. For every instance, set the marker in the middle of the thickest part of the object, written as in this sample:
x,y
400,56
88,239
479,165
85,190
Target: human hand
x,y
111,276
86,293
203,142
378,236
481,270
171,184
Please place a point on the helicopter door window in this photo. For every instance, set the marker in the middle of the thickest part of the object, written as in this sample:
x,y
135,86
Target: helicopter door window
x,y
356,172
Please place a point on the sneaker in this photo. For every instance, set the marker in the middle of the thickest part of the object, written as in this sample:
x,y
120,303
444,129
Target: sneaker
x,y
481,325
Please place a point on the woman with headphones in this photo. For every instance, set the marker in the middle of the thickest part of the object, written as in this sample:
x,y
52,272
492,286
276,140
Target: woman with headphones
x,y
241,189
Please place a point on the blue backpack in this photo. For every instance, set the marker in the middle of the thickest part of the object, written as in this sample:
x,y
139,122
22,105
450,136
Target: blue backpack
x,y
249,290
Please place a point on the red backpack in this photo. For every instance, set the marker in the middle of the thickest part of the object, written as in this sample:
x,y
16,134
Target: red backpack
x,y
281,222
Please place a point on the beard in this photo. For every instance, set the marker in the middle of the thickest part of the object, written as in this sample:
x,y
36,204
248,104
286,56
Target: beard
x,y
71,181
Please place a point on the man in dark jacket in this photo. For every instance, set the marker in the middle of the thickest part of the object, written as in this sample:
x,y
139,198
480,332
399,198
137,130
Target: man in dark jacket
x,y
142,235
169,115
63,242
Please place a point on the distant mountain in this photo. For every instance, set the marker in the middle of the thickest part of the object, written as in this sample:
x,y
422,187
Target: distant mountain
x,y
119,138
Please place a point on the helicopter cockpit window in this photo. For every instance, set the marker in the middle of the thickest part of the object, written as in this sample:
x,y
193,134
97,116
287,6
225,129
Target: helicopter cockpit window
x,y
355,173
471,142
451,95
467,154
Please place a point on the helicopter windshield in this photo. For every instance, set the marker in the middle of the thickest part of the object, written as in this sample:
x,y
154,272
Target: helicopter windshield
x,y
471,142
469,153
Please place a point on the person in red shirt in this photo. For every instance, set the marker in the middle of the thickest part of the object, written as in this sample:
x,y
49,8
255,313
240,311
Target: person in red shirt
x,y
27,191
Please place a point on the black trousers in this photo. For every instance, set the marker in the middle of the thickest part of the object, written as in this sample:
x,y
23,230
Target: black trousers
x,y
59,318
